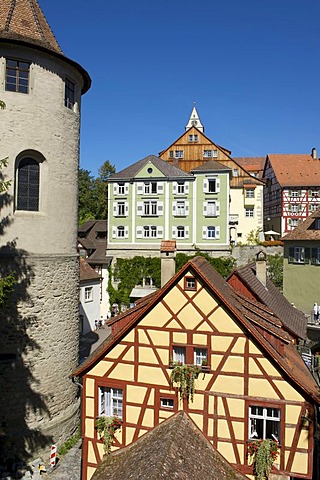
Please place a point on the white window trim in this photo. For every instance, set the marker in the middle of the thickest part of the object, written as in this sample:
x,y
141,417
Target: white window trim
x,y
88,294
111,402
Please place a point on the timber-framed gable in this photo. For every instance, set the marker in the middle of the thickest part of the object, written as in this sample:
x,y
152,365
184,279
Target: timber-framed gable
x,y
248,372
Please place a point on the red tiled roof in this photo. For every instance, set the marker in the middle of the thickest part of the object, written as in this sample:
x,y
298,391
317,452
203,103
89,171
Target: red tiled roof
x,y
296,170
87,272
305,230
24,20
168,246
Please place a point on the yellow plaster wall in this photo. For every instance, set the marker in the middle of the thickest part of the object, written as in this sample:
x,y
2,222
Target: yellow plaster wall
x,y
101,368
175,299
215,361
289,434
159,337
260,387
226,449
231,385
197,403
198,419
142,337
303,439
146,374
223,429
300,463
220,344
129,356
236,407
205,302
129,434
129,337
239,345
288,392
179,337
90,472
132,413
148,418
293,413
91,455
164,414
238,429
254,368
89,428
221,320
100,449
147,355
123,372
234,364
90,387
134,392
190,317
89,407
268,367
116,351
211,405
157,317
199,339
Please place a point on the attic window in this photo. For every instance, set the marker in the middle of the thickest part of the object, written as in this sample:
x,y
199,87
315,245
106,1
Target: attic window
x,y
190,283
167,403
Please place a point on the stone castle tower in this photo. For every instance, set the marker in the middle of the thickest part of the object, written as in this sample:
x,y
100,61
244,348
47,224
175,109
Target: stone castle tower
x,y
39,134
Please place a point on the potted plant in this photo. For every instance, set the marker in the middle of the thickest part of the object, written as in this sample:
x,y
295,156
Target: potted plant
x,y
204,366
184,376
107,427
262,454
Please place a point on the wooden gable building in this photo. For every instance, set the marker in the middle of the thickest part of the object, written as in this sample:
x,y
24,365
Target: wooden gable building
x,y
253,383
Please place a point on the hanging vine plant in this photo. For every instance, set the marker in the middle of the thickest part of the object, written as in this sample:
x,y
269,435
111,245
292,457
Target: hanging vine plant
x,y
262,453
107,427
184,376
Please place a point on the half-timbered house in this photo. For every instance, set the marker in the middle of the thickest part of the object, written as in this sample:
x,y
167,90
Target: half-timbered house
x,y
292,190
252,385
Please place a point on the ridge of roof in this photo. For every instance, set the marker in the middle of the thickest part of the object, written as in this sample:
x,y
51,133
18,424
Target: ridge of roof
x,y
25,20
165,168
226,295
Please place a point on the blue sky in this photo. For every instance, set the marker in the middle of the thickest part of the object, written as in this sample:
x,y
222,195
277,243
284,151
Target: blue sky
x,y
251,66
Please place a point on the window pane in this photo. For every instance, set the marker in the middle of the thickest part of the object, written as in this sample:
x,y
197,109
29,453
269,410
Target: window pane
x,y
179,354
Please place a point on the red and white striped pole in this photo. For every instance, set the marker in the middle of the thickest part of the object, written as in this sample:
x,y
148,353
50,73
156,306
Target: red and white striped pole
x,y
53,455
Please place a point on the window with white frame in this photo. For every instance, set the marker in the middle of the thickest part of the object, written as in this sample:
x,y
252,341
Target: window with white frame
x,y
312,207
193,138
299,254
150,208
294,207
211,185
150,188
88,294
264,423
180,208
181,231
120,231
179,354
211,208
121,190
215,153
190,283
180,187
167,403
120,209
200,356
171,154
294,193
211,232
178,154
207,153
150,231
249,192
111,402
293,222
314,193
235,172
249,212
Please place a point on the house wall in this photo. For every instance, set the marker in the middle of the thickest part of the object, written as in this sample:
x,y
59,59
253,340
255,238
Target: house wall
x,y
41,248
301,280
90,309
240,375
238,204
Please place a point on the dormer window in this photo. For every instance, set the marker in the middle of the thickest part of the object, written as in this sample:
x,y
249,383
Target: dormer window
x,y
17,76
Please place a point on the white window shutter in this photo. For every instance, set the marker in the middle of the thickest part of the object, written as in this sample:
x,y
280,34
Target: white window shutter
x,y
160,208
186,187
126,208
126,188
160,187
186,231
217,208
204,232
114,232
187,208
217,232
174,188
205,185
140,208
218,185
174,208
126,232
115,188
174,232
115,208
160,232
139,188
205,208
139,232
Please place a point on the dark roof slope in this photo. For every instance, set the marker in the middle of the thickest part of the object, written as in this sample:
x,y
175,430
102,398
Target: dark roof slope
x,y
24,20
165,168
292,318
86,272
251,316
211,166
91,239
175,449
305,230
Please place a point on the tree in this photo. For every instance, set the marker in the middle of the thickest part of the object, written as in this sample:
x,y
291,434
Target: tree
x,y
275,269
93,193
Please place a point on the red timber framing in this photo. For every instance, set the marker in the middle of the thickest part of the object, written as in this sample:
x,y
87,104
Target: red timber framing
x,y
243,370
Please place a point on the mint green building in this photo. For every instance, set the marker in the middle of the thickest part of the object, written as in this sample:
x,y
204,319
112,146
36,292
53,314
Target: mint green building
x,y
152,200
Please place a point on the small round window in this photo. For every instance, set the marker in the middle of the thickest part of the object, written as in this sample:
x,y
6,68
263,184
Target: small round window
x,y
150,170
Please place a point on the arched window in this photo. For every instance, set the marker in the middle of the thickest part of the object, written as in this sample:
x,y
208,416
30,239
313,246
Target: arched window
x,y
28,176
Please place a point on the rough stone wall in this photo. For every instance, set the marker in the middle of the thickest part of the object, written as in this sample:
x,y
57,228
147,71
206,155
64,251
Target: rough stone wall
x,y
40,336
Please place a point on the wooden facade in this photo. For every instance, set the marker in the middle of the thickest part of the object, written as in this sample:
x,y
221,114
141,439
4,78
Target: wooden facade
x,y
250,361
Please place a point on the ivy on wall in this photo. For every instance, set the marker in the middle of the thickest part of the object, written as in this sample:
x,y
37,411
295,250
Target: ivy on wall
x,y
129,272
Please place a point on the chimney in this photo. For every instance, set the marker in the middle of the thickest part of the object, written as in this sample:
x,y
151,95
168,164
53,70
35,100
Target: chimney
x,y
314,154
261,267
168,260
